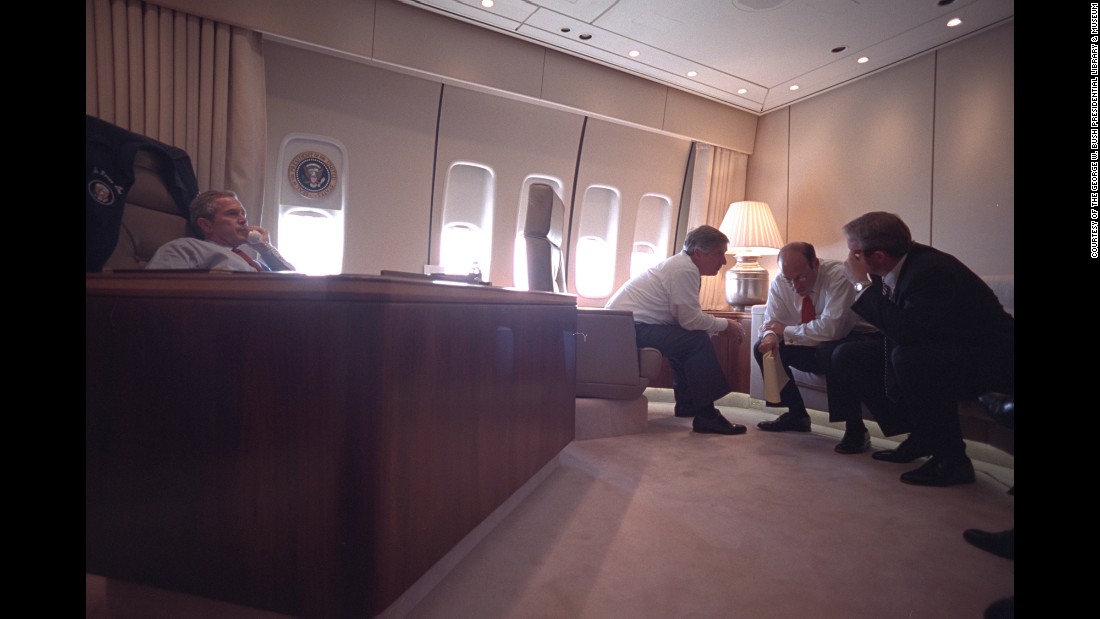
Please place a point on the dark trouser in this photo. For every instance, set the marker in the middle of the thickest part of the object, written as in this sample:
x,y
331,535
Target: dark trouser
x,y
697,377
815,360
931,379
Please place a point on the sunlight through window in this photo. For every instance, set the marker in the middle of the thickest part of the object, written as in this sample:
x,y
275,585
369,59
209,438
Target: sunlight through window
x,y
643,258
460,248
595,280
312,240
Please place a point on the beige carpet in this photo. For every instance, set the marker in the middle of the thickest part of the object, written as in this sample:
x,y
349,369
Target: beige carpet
x,y
672,524
676,524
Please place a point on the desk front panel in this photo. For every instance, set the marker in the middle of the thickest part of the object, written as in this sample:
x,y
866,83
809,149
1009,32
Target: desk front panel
x,y
311,455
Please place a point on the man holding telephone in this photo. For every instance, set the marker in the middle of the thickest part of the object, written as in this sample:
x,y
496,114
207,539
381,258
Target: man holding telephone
x,y
228,243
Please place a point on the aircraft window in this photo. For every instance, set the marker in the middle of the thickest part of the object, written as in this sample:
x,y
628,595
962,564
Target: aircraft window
x,y
651,231
594,282
598,238
642,258
315,238
309,227
467,219
459,248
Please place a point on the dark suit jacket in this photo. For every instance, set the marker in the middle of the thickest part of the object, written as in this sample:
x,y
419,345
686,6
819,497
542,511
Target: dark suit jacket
x,y
938,300
109,174
947,315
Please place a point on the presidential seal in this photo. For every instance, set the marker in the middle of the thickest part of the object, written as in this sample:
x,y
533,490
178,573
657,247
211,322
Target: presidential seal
x,y
312,175
102,189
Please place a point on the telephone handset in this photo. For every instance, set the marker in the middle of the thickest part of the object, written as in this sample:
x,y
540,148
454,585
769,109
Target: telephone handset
x,y
271,255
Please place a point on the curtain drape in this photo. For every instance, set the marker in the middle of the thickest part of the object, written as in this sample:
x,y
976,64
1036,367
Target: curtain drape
x,y
724,173
186,81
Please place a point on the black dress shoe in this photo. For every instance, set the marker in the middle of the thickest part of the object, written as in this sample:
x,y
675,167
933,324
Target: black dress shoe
x,y
1004,608
1002,544
906,452
787,422
716,424
941,471
854,443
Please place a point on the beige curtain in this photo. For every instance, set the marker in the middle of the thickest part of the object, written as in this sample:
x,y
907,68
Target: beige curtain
x,y
190,82
723,174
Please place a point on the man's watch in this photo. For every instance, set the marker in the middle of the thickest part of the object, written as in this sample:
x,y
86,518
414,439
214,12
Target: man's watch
x,y
861,286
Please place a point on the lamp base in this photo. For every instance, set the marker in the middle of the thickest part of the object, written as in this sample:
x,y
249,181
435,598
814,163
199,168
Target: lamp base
x,y
746,284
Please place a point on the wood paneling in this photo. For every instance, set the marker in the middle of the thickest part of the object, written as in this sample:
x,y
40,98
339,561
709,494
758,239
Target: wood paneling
x,y
310,446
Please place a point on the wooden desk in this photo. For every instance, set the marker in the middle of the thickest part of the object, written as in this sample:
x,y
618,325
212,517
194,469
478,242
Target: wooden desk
x,y
310,445
733,357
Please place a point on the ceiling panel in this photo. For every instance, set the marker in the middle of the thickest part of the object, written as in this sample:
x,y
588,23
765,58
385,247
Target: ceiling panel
x,y
745,53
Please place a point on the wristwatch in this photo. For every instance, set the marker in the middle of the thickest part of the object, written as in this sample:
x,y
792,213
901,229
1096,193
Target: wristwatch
x,y
861,286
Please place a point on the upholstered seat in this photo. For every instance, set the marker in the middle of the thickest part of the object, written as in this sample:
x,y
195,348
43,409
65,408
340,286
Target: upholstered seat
x,y
612,375
542,234
138,193
150,217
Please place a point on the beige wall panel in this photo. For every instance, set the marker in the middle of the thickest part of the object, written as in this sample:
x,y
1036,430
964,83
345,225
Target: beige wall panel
x,y
513,139
709,121
974,196
346,25
635,162
422,40
768,172
588,86
387,123
864,147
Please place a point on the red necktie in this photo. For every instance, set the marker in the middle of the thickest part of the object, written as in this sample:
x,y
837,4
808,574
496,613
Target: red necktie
x,y
252,262
807,309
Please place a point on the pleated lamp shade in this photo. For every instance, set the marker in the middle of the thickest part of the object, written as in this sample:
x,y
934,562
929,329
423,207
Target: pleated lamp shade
x,y
752,233
751,229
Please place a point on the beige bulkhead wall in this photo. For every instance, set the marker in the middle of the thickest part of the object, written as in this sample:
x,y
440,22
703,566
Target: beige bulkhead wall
x,y
405,38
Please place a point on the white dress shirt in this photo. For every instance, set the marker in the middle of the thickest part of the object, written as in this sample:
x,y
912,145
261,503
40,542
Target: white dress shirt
x,y
191,253
832,295
668,294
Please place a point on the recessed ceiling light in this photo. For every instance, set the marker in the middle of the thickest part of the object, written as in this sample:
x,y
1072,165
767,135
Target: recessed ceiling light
x,y
794,87
955,21
741,91
566,29
839,48
487,3
863,59
692,74
585,37
634,53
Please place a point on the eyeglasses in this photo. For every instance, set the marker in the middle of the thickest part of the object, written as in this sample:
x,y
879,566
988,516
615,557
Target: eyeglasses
x,y
795,280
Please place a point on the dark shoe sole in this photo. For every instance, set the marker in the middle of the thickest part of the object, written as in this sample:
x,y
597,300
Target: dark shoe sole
x,y
775,425
937,482
851,449
736,429
892,455
1001,544
940,474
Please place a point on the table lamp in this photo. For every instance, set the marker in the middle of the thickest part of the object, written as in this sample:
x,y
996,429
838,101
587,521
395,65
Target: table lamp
x,y
752,233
